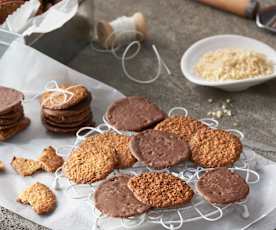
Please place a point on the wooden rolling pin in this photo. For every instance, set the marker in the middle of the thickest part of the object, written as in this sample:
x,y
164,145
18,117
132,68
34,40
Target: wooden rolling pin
x,y
244,8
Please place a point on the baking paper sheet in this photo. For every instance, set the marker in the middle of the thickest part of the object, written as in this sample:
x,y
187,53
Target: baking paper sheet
x,y
24,21
28,70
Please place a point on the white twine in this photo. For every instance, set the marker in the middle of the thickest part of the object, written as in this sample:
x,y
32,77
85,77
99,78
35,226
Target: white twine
x,y
125,33
53,88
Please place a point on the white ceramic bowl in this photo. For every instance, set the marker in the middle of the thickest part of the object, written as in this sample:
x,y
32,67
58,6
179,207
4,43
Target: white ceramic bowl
x,y
192,55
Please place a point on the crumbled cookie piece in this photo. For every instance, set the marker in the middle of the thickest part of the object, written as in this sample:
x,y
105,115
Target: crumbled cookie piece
x,y
49,160
25,167
40,197
160,190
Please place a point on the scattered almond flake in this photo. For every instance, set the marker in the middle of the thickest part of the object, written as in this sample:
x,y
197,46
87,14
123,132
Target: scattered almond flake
x,y
223,106
209,113
219,114
228,101
235,124
210,100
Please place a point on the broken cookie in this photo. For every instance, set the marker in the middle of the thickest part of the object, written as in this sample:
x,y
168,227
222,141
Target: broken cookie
x,y
40,197
49,160
25,167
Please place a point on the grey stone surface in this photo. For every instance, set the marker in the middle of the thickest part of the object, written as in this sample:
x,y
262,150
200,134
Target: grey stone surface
x,y
174,26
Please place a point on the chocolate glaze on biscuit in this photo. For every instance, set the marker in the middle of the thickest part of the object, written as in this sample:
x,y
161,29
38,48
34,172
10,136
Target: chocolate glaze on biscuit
x,y
133,114
221,186
159,149
9,99
114,198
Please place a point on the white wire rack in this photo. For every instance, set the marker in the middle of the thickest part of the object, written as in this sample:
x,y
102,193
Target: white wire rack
x,y
172,218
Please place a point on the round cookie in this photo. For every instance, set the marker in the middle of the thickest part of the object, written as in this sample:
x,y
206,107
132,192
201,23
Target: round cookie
x,y
160,190
159,149
133,114
7,121
67,130
13,114
79,94
114,199
184,127
9,99
213,148
67,125
89,163
117,142
69,119
221,186
76,110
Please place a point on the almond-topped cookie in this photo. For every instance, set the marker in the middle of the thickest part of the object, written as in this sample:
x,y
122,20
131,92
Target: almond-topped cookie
x,y
221,186
160,190
40,197
120,143
114,198
90,162
159,149
213,148
182,126
25,167
133,114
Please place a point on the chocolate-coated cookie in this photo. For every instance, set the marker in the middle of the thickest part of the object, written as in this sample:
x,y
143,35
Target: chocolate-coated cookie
x,y
221,186
113,198
133,114
159,149
9,99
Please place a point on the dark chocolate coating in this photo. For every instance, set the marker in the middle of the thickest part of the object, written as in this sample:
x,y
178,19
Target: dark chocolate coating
x,y
114,198
221,186
158,149
133,114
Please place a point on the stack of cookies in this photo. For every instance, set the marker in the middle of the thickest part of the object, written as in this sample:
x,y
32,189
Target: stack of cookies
x,y
12,119
67,112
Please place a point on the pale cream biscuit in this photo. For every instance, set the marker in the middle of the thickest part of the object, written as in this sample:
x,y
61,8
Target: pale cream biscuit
x,y
49,160
25,167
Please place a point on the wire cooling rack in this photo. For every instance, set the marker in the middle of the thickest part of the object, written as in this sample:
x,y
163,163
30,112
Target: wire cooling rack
x,y
171,218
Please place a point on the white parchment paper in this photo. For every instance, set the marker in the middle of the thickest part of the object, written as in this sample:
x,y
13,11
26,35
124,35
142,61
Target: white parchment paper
x,y
28,70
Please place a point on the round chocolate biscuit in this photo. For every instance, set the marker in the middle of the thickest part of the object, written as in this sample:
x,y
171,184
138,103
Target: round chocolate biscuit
x,y
221,186
67,125
117,142
114,199
69,119
79,93
89,163
133,114
213,148
9,99
67,130
7,122
82,107
159,149
184,127
16,112
160,190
